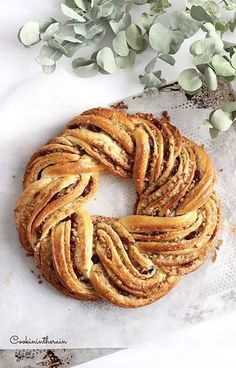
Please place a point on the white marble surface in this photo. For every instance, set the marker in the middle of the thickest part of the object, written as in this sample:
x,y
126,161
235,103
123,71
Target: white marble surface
x,y
19,72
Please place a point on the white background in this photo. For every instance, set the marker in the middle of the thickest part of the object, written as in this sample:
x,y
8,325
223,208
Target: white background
x,y
209,344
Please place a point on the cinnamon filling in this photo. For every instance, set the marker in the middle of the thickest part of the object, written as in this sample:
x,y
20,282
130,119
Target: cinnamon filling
x,y
94,128
87,189
197,176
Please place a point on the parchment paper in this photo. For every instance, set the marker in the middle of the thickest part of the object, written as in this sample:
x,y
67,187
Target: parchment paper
x,y
31,308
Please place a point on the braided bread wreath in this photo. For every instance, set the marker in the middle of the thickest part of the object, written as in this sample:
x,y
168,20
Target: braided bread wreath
x,y
134,260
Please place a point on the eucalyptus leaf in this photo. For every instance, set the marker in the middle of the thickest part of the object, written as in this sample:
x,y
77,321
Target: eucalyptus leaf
x,y
199,13
167,58
67,38
70,3
49,69
106,60
45,23
150,80
106,9
128,61
84,68
83,4
120,45
207,123
88,30
140,2
48,56
122,24
229,106
134,37
221,27
214,132
189,80
72,13
66,47
202,50
29,34
210,29
146,21
177,38
158,6
184,23
190,3
233,60
210,79
150,67
222,67
160,38
51,30
221,120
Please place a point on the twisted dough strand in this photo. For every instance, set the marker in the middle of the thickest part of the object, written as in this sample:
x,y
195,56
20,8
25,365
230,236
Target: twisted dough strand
x,y
135,260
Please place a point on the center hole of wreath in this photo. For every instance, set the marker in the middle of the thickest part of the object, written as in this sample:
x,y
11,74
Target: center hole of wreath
x,y
115,197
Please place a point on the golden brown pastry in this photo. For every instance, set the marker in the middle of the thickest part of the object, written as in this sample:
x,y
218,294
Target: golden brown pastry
x,y
135,260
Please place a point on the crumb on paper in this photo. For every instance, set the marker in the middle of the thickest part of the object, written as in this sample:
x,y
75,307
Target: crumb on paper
x,y
232,229
8,278
216,250
52,360
13,176
120,106
220,170
38,276
138,96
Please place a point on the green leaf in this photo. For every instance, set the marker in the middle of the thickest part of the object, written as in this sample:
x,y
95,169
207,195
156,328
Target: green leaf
x,y
49,69
207,123
88,30
66,47
146,21
167,58
71,39
150,80
213,132
222,67
210,79
71,13
190,3
184,23
122,24
134,37
233,60
140,2
48,56
160,38
221,27
50,31
189,80
229,106
128,61
106,60
177,38
158,6
29,33
221,120
198,13
84,68
150,67
210,29
83,4
202,51
120,45
45,23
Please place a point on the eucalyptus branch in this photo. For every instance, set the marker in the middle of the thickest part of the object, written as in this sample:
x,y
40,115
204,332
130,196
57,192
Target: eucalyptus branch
x,y
88,21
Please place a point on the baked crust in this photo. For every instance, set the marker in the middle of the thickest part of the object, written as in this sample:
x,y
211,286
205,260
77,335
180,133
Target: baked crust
x,y
134,260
